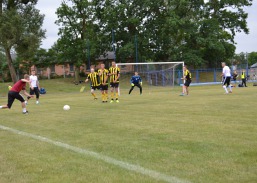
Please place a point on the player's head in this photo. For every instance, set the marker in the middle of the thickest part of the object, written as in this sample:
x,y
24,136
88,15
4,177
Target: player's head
x,y
185,67
136,73
26,76
102,66
113,64
223,64
92,70
33,72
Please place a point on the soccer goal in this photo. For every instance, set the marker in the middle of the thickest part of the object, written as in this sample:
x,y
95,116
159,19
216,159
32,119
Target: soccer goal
x,y
155,75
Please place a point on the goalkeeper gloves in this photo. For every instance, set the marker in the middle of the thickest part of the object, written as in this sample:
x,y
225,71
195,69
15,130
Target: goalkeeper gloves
x,y
141,83
132,84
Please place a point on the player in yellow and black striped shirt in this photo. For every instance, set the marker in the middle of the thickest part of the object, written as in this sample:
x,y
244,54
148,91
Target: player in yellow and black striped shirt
x,y
103,75
114,75
187,78
95,83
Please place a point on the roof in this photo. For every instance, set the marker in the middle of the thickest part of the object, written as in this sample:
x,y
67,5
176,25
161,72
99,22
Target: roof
x,y
109,55
254,65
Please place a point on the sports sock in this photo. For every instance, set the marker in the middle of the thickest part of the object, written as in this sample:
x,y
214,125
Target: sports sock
x,y
94,95
230,88
112,95
225,88
102,96
24,110
117,95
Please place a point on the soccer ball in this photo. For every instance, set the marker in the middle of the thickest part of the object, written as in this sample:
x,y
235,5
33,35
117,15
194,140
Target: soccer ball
x,y
66,107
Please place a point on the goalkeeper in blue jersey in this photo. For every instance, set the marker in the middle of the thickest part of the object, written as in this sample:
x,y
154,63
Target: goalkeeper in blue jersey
x,y
136,81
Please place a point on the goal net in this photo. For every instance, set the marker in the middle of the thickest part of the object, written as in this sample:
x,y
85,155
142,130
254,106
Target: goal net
x,y
155,75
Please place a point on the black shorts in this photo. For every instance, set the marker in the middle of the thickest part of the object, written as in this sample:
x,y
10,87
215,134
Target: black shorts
x,y
104,87
226,81
95,87
12,96
34,91
187,83
114,85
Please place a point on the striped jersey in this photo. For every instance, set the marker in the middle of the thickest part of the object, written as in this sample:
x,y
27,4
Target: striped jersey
x,y
94,78
188,75
115,71
103,75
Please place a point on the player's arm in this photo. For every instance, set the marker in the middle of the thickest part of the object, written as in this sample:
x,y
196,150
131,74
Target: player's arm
x,y
27,94
106,78
118,76
132,81
140,81
87,79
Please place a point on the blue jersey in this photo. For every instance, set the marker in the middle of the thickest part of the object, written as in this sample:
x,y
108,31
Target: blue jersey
x,y
135,79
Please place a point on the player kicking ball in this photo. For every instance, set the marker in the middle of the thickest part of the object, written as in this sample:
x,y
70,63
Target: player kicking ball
x,y
14,93
136,81
226,75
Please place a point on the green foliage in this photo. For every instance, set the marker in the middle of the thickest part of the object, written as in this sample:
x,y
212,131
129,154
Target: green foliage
x,y
20,30
202,31
252,58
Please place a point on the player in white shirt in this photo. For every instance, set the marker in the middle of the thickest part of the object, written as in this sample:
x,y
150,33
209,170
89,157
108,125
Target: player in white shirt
x,y
226,75
34,89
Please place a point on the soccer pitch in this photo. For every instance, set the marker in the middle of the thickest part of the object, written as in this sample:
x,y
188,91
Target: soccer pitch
x,y
155,137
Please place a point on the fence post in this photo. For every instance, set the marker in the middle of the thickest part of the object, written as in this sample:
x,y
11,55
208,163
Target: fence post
x,y
214,75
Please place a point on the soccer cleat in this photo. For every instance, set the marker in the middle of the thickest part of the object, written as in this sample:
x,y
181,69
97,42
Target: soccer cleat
x,y
111,101
37,102
26,102
182,94
230,91
117,101
27,112
95,98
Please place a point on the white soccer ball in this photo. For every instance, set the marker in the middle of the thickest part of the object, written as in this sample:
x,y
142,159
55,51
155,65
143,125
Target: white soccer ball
x,y
66,107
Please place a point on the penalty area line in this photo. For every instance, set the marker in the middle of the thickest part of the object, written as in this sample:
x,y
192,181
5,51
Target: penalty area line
x,y
122,164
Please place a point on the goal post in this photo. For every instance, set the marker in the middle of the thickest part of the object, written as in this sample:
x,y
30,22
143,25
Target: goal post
x,y
154,74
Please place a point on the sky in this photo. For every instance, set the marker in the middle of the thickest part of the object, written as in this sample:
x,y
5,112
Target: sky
x,y
245,42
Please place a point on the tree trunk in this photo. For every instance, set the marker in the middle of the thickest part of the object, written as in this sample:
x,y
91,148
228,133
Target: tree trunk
x,y
77,75
10,65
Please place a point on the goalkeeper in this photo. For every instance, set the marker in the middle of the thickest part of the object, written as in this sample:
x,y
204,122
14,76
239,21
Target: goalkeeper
x,y
136,81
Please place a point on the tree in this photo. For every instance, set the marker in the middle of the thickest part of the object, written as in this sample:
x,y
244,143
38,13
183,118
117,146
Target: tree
x,y
20,30
252,58
75,18
198,32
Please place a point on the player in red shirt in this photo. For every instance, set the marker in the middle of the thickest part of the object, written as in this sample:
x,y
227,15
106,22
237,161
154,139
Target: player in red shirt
x,y
14,93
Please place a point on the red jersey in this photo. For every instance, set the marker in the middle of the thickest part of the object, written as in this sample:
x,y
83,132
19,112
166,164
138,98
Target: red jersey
x,y
20,85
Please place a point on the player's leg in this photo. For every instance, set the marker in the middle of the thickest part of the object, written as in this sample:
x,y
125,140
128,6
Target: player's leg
x,y
37,94
224,85
117,92
93,92
106,93
31,92
112,92
229,85
140,88
102,91
11,99
132,88
23,105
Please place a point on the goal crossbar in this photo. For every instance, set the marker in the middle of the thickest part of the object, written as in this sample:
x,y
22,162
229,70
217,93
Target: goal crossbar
x,y
154,63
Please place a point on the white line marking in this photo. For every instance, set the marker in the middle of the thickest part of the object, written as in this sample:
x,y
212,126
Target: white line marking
x,y
128,166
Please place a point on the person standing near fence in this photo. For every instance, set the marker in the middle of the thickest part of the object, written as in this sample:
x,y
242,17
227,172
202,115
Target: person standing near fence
x,y
188,79
136,81
226,74
243,77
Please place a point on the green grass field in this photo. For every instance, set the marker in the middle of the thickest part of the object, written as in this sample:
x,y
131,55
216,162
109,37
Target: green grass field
x,y
206,137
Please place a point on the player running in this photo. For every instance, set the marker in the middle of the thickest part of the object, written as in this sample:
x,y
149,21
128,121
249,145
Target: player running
x,y
226,74
136,81
103,74
95,84
188,79
14,93
114,74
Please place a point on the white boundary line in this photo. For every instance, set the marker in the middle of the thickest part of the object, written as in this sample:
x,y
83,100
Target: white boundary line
x,y
125,165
